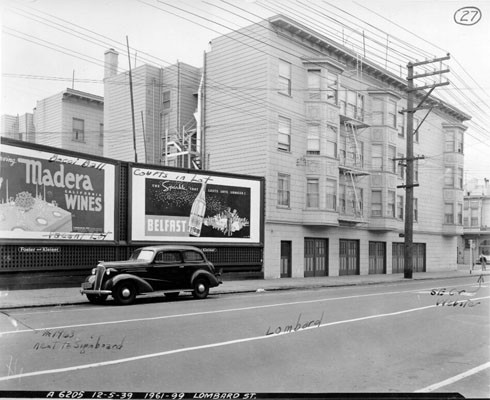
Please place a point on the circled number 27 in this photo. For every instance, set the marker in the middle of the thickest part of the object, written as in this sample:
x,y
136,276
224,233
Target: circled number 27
x,y
467,16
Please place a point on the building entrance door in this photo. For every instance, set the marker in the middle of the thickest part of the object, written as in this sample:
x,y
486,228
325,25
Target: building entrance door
x,y
285,259
316,257
377,257
418,258
349,257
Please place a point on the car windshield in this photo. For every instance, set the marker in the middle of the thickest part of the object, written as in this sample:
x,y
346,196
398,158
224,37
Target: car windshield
x,y
142,254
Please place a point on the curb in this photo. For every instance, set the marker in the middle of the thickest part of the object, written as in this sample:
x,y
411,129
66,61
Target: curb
x,y
259,290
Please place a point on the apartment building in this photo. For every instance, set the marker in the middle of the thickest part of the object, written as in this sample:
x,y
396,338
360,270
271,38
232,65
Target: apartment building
x,y
326,129
20,127
160,127
476,221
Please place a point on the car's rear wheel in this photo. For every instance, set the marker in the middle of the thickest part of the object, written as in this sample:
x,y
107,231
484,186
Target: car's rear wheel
x,y
96,299
201,288
172,295
124,293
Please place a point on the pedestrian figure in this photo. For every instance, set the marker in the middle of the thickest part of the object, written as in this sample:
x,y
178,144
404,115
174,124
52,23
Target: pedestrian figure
x,y
483,261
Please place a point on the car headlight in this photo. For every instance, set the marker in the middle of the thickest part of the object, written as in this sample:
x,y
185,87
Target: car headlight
x,y
94,271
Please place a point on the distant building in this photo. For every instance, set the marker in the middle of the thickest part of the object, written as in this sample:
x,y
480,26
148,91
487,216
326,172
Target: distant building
x,y
166,131
476,218
71,120
325,128
18,127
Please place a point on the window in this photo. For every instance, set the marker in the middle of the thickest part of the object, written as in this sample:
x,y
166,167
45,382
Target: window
x,y
415,210
351,110
284,134
312,193
192,256
449,142
459,178
314,83
399,207
391,114
101,134
351,103
284,77
391,159
78,130
449,213
416,171
449,177
331,149
459,142
332,90
401,125
332,137
475,220
391,204
166,100
283,190
376,205
331,187
401,167
377,156
313,139
377,114
167,257
342,199
460,214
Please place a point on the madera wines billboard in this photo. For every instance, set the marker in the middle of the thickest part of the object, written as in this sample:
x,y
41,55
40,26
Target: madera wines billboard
x,y
201,207
53,196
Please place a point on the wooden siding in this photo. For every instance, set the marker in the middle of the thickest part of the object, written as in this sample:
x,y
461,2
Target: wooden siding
x,y
48,121
237,107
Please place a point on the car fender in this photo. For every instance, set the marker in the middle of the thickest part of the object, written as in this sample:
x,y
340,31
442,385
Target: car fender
x,y
141,284
213,281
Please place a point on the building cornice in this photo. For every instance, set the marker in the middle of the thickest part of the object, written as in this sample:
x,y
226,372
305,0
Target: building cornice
x,y
342,52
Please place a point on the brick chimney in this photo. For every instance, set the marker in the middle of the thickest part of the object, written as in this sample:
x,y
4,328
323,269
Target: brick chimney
x,y
110,63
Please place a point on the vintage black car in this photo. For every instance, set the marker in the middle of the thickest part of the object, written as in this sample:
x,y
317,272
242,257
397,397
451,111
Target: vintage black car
x,y
169,269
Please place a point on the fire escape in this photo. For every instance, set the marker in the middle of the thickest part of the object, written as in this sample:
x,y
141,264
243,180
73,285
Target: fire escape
x,y
351,165
181,148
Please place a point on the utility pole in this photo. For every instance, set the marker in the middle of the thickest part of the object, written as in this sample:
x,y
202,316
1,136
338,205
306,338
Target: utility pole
x,y
410,184
132,103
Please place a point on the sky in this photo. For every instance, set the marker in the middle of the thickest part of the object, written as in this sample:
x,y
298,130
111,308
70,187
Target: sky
x,y
50,45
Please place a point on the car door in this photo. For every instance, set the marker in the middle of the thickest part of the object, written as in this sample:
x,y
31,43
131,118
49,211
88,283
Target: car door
x,y
166,270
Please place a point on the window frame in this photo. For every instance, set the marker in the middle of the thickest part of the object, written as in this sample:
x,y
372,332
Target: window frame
x,y
378,210
78,135
284,77
284,131
313,135
283,190
312,197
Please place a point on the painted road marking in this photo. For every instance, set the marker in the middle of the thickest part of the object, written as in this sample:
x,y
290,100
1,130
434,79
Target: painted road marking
x,y
454,379
203,347
124,321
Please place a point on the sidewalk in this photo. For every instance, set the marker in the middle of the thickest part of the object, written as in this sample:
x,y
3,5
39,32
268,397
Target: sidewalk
x,y
69,296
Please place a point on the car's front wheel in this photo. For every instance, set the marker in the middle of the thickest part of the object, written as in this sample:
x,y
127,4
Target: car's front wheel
x,y
96,299
124,293
201,288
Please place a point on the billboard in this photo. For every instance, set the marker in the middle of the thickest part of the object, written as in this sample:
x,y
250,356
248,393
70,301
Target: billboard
x,y
194,207
53,196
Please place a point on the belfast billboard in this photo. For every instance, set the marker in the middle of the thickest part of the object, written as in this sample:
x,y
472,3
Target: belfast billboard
x,y
49,195
201,207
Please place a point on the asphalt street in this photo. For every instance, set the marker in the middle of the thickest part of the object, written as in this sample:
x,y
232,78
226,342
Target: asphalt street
x,y
427,336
